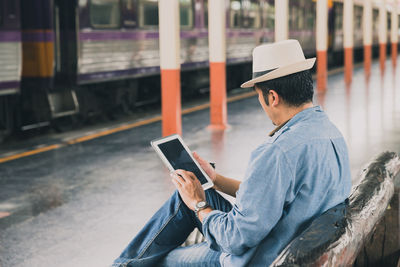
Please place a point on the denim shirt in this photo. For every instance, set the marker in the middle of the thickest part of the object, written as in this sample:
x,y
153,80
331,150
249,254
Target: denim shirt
x,y
294,176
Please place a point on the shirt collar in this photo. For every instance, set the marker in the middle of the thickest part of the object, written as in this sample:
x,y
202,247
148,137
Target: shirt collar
x,y
277,128
295,118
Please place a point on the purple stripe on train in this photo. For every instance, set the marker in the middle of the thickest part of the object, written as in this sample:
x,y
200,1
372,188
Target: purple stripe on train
x,y
143,35
109,75
10,36
9,85
38,36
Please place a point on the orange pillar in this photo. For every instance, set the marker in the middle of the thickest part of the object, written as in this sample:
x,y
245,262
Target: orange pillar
x,y
322,70
322,44
348,64
394,53
382,55
168,13
171,102
367,58
218,107
348,27
217,45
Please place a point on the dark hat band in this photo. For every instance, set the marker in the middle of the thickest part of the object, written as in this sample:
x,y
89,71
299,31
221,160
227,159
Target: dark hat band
x,y
261,73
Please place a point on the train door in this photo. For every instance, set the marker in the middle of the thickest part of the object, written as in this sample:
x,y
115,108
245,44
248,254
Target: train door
x,y
65,22
63,101
11,62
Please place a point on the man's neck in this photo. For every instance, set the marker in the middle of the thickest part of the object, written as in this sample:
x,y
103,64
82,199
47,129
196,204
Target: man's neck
x,y
290,112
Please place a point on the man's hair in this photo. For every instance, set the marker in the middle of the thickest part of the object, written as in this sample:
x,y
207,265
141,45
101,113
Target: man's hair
x,y
295,89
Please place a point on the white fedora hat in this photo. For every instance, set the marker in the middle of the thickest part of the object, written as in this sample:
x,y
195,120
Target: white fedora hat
x,y
271,61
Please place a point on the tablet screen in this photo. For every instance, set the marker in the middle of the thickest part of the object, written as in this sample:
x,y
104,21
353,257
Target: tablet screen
x,y
180,159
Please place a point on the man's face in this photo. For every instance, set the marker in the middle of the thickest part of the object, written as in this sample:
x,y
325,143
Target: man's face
x,y
266,108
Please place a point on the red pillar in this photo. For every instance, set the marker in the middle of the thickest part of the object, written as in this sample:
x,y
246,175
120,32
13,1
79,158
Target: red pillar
x,y
322,70
367,58
394,54
218,107
348,64
382,55
171,102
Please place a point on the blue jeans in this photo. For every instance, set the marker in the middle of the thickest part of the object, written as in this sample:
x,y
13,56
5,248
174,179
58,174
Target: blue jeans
x,y
159,240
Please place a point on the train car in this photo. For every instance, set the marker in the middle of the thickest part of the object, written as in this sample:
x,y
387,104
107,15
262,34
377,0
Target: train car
x,y
336,49
11,64
84,58
302,16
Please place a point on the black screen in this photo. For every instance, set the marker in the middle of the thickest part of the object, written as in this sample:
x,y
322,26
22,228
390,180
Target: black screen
x,y
180,159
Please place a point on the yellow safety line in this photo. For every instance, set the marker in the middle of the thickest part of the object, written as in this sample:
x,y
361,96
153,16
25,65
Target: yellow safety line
x,y
115,130
123,128
29,153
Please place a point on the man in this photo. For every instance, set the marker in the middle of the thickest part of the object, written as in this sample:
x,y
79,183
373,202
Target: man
x,y
300,171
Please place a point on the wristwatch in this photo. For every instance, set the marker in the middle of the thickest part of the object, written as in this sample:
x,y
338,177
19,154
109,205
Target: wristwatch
x,y
200,206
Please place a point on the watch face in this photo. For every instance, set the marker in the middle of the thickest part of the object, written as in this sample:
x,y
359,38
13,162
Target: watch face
x,y
201,204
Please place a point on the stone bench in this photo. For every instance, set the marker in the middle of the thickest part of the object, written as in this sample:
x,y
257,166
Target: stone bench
x,y
336,237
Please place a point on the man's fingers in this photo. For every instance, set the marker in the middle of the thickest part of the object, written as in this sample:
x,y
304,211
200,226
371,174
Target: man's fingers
x,y
177,185
184,174
198,158
192,175
178,178
187,175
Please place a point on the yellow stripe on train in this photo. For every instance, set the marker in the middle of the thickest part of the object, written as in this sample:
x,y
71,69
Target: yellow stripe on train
x,y
38,59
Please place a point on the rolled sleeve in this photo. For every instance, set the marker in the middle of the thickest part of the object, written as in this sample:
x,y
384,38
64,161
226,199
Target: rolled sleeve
x,y
259,204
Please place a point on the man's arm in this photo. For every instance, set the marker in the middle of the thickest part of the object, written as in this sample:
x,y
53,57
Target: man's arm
x,y
224,184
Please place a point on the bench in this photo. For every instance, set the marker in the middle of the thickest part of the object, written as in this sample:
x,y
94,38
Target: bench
x,y
336,237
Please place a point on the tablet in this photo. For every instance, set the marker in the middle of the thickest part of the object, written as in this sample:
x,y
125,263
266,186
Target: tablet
x,y
176,155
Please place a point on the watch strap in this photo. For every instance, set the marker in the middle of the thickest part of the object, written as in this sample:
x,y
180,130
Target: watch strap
x,y
196,209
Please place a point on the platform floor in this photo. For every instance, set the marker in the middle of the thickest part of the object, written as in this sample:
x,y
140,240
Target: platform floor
x,y
81,204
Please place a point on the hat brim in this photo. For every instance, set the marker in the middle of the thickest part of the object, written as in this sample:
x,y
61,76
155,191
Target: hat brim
x,y
282,71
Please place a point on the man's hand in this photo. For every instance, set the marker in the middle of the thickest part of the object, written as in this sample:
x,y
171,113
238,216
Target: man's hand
x,y
189,188
206,167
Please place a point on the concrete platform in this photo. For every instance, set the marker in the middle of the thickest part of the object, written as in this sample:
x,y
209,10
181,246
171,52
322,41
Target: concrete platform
x,y
81,204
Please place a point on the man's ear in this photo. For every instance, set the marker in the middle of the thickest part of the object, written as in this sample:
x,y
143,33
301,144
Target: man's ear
x,y
274,97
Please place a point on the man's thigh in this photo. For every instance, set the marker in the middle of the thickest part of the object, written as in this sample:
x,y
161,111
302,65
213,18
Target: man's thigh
x,y
197,255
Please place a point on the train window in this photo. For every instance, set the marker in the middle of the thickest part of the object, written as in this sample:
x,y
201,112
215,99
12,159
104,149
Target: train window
x,y
105,13
268,15
339,16
186,13
235,14
301,16
293,16
358,13
148,13
310,11
205,13
1,12
251,14
375,16
11,9
129,7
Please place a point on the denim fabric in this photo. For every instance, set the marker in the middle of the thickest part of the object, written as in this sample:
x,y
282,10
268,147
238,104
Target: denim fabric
x,y
197,255
166,231
294,176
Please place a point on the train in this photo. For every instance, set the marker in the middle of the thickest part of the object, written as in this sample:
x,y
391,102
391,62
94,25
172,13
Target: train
x,y
78,59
